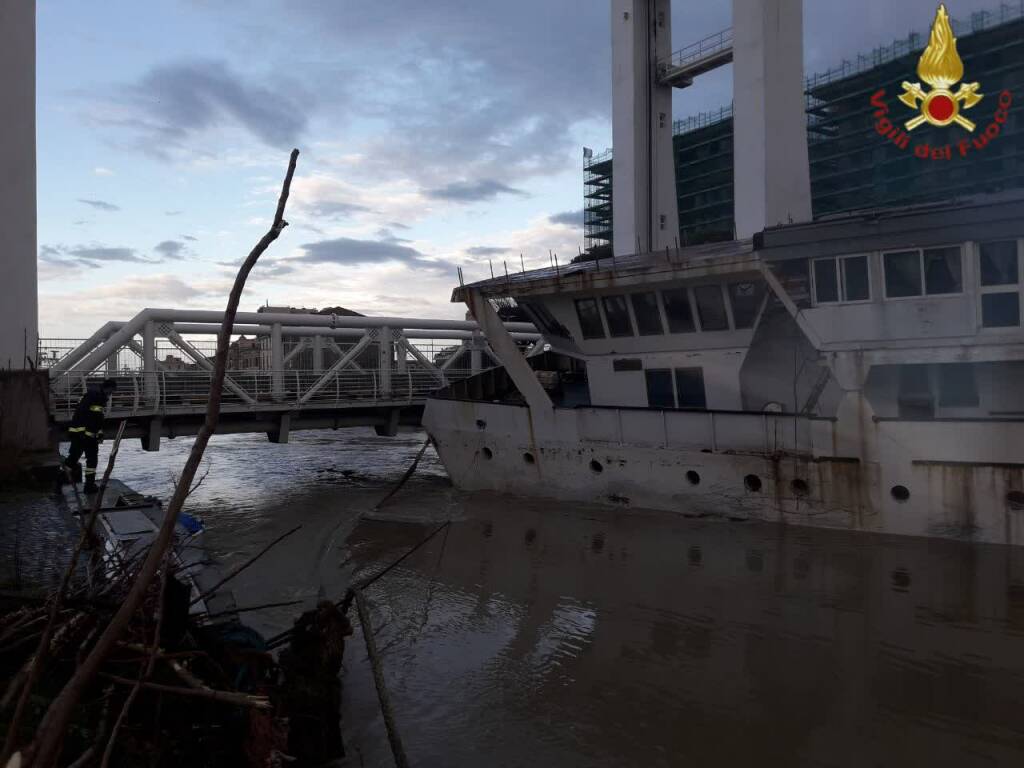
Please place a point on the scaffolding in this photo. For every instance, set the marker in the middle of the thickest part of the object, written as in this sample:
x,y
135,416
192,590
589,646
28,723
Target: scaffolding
x,y
851,166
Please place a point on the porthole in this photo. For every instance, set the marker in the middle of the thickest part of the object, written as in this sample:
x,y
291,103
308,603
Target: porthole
x,y
693,477
481,424
1015,500
800,487
487,452
900,493
596,466
752,483
528,458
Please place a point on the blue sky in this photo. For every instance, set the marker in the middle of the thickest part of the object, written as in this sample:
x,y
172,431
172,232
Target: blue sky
x,y
432,135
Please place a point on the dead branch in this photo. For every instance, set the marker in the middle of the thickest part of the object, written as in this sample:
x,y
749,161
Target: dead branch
x,y
45,748
212,590
378,679
227,697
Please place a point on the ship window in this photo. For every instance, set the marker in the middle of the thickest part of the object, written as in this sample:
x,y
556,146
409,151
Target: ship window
x,y
826,281
617,314
677,310
1000,310
903,274
998,263
856,286
627,364
660,393
942,273
590,318
746,301
690,386
957,387
1000,299
648,317
711,308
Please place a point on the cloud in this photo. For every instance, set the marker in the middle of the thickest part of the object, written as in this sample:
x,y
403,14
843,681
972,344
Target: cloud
x,y
171,106
170,249
101,205
473,191
486,250
173,213
88,255
385,235
349,251
333,209
101,171
189,237
568,218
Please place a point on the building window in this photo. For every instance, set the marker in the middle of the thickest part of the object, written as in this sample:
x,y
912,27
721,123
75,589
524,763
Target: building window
x,y
616,312
690,388
660,393
677,310
957,386
746,299
590,318
999,284
928,272
711,308
843,278
648,316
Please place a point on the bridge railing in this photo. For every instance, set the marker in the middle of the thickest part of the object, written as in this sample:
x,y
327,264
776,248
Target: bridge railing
x,y
187,391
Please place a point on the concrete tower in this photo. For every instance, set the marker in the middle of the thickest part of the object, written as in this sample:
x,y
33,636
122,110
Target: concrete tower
x,y
19,318
643,180
771,174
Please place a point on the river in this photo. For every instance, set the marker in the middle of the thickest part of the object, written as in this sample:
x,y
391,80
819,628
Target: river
x,y
536,633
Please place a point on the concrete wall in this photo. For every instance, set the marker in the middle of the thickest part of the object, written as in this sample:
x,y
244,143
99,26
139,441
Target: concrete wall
x,y
24,417
643,182
770,170
19,323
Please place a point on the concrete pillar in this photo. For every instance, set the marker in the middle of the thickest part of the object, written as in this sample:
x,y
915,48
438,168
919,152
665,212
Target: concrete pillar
x,y
400,353
280,435
389,428
276,362
476,346
771,175
151,436
318,354
386,347
643,178
150,390
19,313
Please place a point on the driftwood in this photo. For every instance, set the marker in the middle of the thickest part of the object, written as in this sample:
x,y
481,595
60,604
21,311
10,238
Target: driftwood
x,y
212,694
45,749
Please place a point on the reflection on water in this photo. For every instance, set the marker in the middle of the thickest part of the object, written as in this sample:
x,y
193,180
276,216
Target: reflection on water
x,y
541,634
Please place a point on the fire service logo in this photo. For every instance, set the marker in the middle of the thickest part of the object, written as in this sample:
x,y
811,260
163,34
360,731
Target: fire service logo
x,y
940,67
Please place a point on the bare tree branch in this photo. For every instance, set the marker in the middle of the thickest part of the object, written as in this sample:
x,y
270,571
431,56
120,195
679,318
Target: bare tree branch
x,y
45,748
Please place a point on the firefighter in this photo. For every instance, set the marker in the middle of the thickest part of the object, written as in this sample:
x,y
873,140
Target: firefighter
x,y
86,431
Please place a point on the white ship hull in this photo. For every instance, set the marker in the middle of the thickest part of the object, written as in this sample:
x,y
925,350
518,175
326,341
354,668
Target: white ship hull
x,y
962,479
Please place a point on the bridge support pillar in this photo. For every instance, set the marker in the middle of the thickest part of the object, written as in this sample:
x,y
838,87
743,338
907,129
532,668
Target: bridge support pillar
x,y
151,437
390,426
277,362
476,346
149,385
280,435
386,358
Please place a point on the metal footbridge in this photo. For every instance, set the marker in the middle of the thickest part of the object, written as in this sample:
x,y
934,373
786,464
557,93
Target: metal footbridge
x,y
286,371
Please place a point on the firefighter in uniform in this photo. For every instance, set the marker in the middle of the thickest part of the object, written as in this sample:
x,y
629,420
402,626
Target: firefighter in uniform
x,y
86,431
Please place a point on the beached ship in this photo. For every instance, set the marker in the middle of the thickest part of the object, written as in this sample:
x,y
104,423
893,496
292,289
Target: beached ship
x,y
862,372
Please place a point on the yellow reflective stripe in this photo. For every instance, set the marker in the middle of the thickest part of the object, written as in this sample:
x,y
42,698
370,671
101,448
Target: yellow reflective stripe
x,y
90,471
90,434
76,429
96,408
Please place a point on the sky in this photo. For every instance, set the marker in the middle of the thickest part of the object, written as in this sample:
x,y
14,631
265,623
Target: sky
x,y
432,136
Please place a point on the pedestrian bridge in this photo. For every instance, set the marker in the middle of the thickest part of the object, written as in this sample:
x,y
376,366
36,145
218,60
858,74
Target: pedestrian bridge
x,y
286,371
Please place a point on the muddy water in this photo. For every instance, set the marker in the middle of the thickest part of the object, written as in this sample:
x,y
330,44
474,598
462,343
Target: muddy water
x,y
543,634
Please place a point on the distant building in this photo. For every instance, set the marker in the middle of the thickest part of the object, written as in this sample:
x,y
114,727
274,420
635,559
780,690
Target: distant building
x,y
852,166
172,363
244,354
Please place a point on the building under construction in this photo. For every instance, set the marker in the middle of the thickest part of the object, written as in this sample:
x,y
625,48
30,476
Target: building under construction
x,y
851,165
